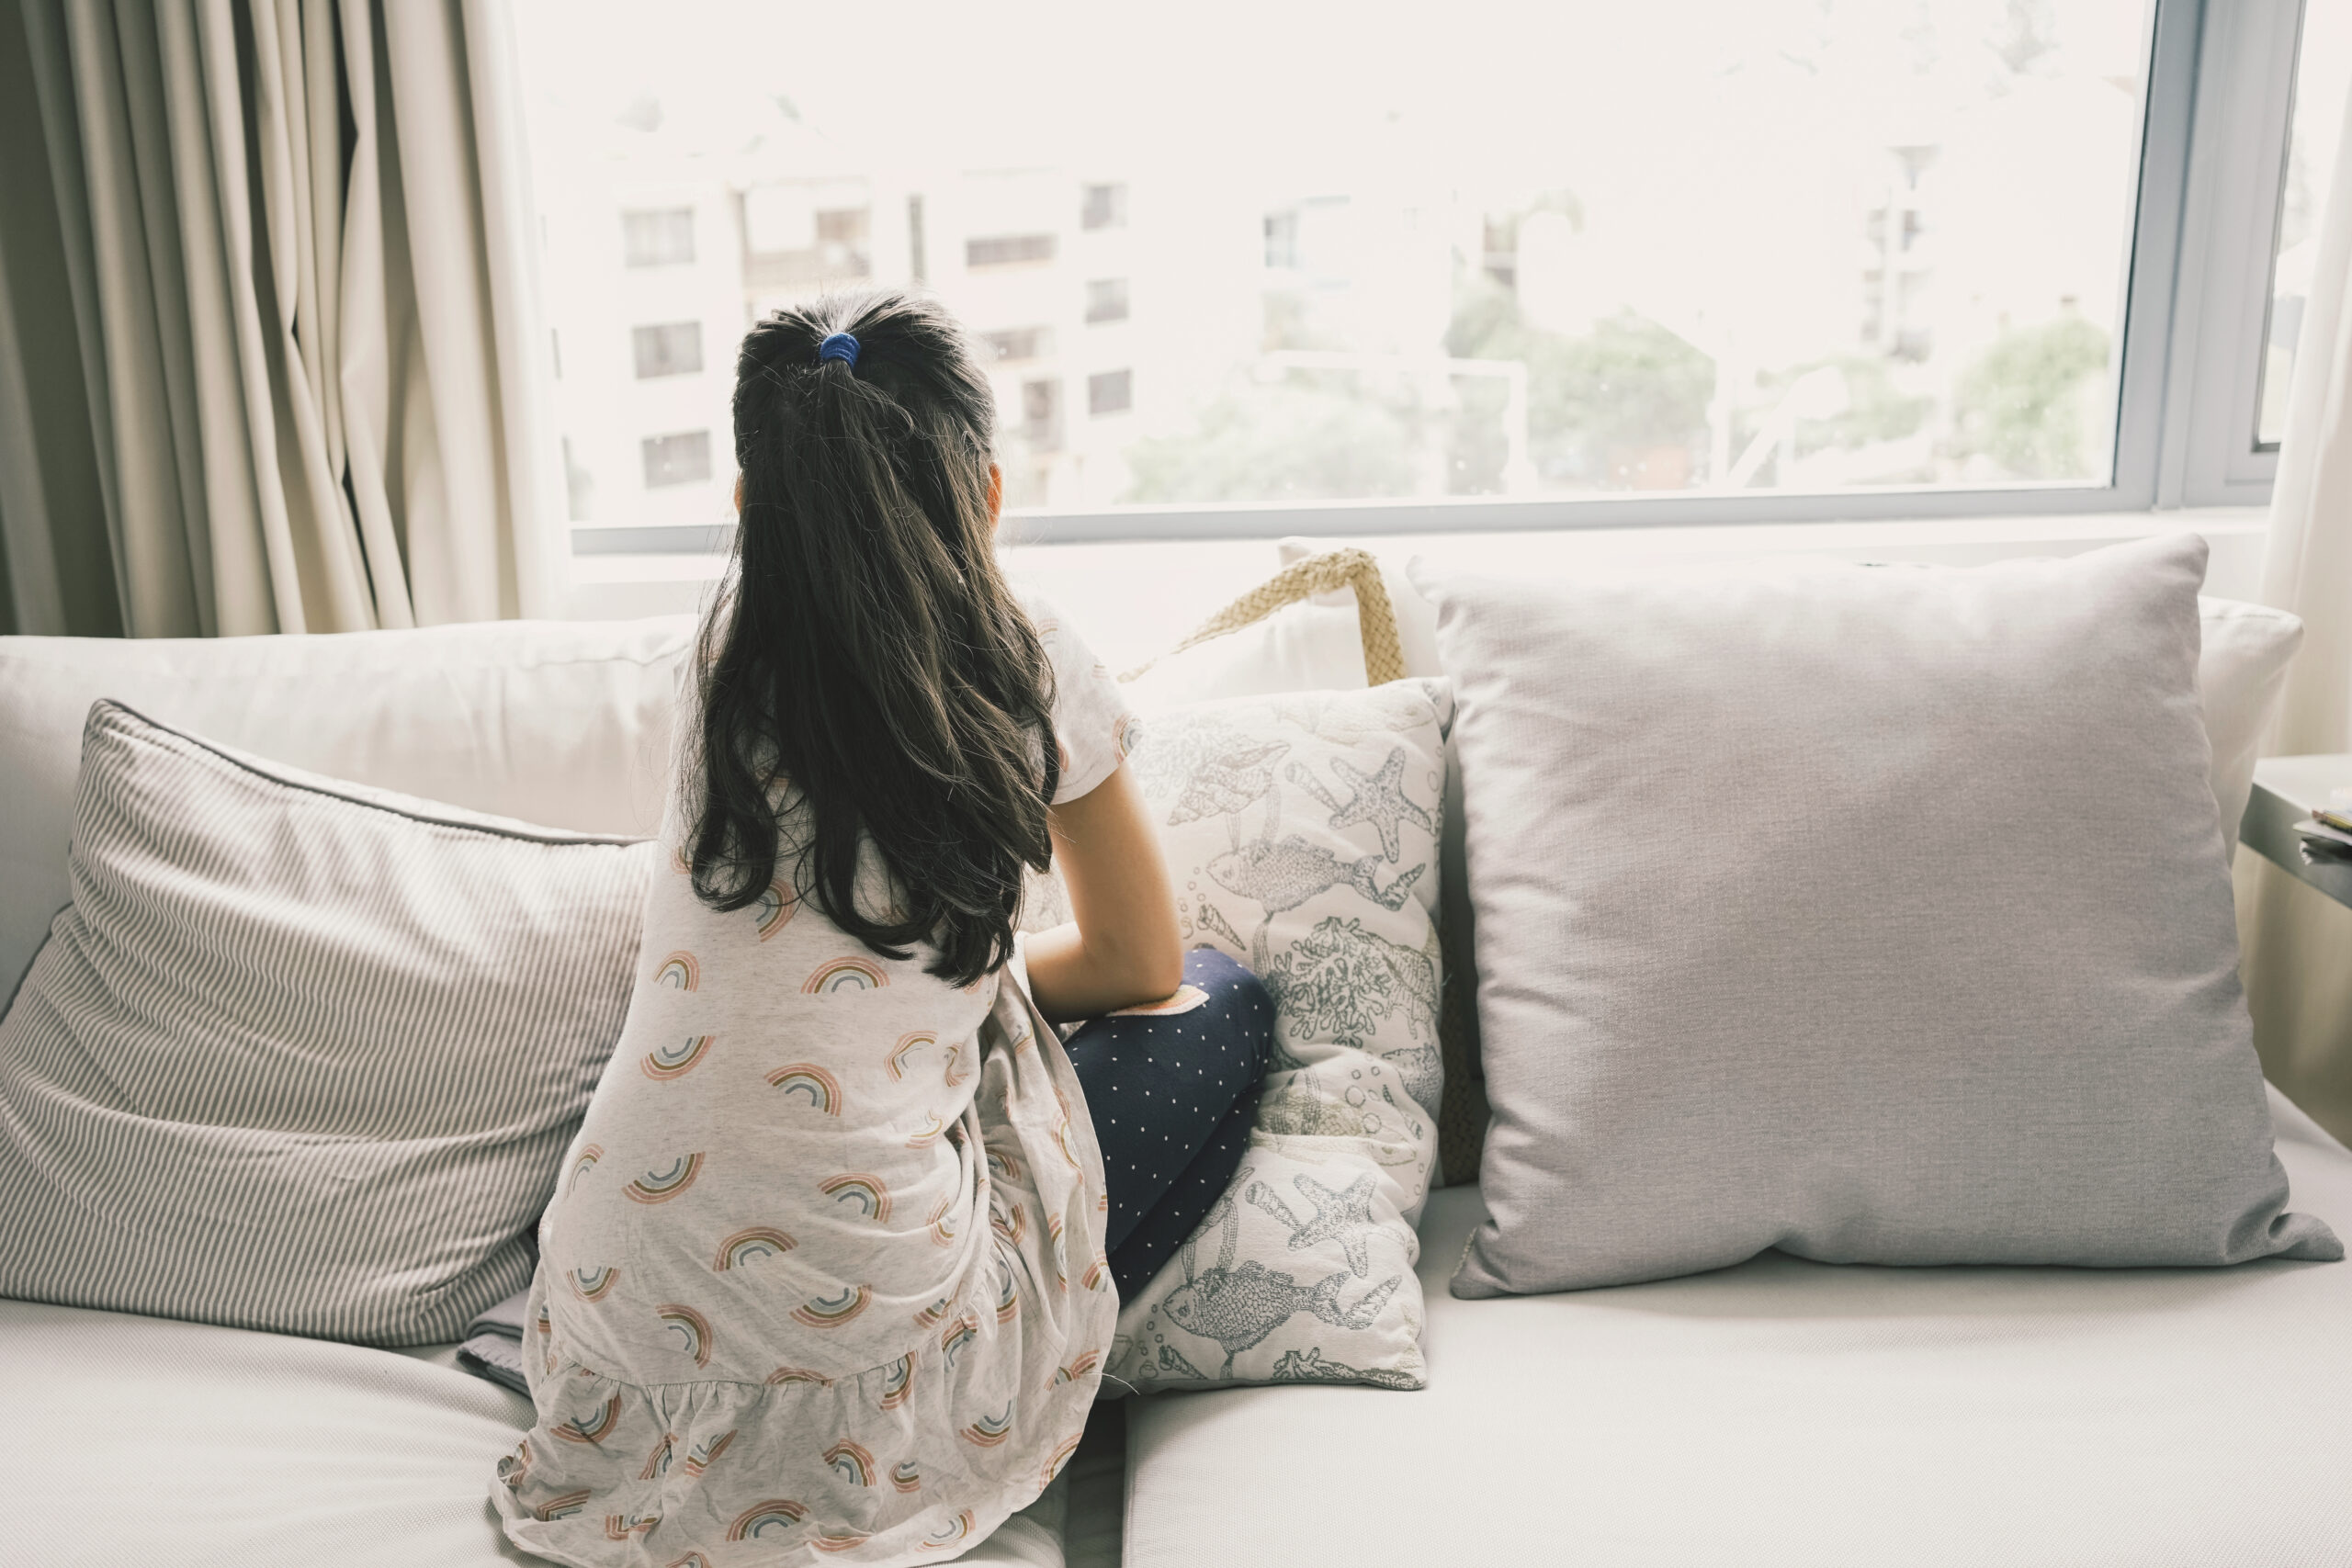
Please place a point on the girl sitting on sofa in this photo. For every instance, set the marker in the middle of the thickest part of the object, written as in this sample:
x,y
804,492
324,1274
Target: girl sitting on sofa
x,y
834,1259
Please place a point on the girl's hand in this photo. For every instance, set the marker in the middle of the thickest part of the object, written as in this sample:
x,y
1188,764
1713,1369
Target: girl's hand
x,y
1124,948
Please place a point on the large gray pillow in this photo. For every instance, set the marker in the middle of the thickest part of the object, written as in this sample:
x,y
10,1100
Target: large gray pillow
x,y
1874,916
301,1055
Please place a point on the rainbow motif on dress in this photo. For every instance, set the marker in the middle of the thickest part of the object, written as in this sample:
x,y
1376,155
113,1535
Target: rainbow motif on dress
x,y
928,1134
1007,1294
1014,1229
960,1333
907,1476
1076,1370
661,1186
1097,1273
657,1463
1059,1457
581,1166
898,1382
872,1199
750,1246
1004,1166
1119,735
988,1431
692,1326
680,972
515,1468
665,1062
691,1559
591,1284
852,1462
852,974
799,1374
1067,1134
1060,1252
960,1527
824,1091
561,1508
831,1312
936,1313
702,1456
594,1427
955,1059
839,1540
907,1046
945,1222
775,1513
620,1527
544,1324
775,909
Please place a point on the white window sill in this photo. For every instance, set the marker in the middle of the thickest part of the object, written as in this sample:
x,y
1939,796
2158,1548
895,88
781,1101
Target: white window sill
x,y
1134,599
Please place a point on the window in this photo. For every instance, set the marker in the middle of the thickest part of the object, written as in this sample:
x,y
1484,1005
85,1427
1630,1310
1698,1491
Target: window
x,y
1112,391
663,237
1008,250
1102,207
673,348
1021,342
676,459
2321,77
1041,415
1106,300
1531,263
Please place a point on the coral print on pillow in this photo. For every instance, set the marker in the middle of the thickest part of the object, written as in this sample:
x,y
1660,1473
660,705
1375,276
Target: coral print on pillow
x,y
1302,833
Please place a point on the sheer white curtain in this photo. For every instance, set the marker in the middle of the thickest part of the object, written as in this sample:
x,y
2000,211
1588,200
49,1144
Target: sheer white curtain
x,y
2298,945
291,238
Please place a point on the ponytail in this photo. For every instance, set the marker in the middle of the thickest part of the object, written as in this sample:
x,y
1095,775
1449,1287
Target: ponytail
x,y
867,676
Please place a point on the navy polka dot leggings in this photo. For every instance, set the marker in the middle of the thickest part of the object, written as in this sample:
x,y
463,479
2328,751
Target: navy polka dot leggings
x,y
1173,1096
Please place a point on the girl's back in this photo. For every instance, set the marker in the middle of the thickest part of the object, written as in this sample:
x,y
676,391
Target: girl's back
x,y
825,1267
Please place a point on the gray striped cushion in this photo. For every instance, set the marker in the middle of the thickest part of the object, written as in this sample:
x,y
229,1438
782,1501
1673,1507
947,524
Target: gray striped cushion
x,y
301,1055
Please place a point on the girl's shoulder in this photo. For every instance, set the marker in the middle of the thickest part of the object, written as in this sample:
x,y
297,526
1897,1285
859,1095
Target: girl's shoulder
x,y
1092,718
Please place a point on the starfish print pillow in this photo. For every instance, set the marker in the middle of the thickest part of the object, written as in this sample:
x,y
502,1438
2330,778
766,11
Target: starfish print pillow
x,y
1302,831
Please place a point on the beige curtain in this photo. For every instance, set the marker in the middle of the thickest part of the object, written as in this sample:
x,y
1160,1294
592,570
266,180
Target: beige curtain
x,y
2298,959
269,358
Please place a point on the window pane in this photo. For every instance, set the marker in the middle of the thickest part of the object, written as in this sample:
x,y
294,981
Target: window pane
x,y
673,348
659,239
1550,248
1112,391
676,459
2321,76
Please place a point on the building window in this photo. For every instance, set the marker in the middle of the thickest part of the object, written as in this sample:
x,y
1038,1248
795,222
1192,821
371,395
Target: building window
x,y
665,237
1106,300
1112,391
917,267
673,348
1041,415
682,459
1102,207
1282,238
1008,250
1019,343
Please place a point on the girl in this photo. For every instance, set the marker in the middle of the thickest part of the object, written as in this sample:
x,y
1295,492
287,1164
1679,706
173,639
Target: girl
x,y
832,1265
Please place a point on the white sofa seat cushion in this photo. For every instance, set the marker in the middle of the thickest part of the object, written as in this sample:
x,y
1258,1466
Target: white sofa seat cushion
x,y
1786,1412
143,1440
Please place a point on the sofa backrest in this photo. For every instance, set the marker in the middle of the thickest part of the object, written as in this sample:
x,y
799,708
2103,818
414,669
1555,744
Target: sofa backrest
x,y
563,724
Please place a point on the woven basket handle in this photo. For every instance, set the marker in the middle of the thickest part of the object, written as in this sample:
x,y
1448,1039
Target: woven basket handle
x,y
1384,655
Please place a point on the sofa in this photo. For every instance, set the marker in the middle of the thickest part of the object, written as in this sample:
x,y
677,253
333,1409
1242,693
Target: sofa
x,y
1780,1411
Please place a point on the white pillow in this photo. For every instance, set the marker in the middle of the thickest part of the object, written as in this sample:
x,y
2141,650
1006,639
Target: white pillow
x,y
1875,916
302,1055
1301,831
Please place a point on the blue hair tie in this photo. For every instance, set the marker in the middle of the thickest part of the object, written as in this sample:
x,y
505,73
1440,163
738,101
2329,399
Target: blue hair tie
x,y
841,346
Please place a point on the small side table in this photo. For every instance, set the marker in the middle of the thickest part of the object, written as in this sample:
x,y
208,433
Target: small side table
x,y
2285,790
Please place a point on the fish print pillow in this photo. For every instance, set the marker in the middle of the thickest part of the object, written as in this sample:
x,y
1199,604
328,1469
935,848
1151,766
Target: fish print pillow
x,y
1301,830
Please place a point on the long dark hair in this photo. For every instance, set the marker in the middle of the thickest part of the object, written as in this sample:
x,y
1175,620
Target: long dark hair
x,y
867,675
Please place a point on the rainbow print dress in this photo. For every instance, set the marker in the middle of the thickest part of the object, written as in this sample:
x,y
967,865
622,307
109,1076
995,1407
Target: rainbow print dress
x,y
823,1280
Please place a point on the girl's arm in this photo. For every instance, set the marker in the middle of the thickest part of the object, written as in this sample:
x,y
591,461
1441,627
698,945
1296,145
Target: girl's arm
x,y
1123,947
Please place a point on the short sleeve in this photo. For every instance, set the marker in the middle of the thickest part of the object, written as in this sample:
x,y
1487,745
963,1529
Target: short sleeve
x,y
1091,713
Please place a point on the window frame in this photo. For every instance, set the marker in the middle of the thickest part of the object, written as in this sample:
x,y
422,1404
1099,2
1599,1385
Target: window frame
x,y
2213,152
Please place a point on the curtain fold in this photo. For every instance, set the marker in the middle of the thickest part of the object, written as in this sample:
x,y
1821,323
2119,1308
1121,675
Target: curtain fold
x,y
2297,944
291,239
